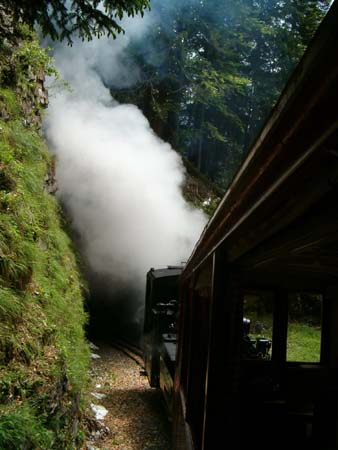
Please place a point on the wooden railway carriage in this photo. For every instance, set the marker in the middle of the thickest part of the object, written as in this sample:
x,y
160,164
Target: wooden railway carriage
x,y
274,237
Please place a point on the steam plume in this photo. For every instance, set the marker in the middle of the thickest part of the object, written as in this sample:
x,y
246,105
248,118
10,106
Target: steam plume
x,y
120,183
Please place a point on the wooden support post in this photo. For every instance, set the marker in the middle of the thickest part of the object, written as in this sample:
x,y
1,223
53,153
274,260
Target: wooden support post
x,y
279,337
221,419
328,416
329,328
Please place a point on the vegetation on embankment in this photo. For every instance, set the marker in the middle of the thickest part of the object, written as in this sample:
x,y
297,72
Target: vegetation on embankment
x,y
43,354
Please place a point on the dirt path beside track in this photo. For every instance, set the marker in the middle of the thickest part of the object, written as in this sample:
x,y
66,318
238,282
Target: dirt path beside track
x,y
135,416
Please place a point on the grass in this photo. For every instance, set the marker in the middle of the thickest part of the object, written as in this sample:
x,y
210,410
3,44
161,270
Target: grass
x,y
20,429
44,357
303,343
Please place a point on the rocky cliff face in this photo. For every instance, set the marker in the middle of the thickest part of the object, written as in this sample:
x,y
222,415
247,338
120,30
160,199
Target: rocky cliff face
x,y
22,71
43,353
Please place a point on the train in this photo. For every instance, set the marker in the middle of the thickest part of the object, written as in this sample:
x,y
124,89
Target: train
x,y
264,271
159,336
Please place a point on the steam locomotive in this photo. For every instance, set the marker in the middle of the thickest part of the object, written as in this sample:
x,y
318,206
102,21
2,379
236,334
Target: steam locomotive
x,y
159,338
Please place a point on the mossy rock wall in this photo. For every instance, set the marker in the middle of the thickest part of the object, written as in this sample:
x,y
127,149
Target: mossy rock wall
x,y
43,353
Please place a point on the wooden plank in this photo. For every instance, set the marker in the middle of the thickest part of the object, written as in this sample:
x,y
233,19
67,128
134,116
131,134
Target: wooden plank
x,y
222,391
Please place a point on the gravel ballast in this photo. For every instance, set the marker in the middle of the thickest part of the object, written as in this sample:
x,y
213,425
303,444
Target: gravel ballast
x,y
130,413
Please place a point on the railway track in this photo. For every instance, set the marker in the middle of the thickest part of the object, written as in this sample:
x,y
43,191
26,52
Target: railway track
x,y
134,410
131,350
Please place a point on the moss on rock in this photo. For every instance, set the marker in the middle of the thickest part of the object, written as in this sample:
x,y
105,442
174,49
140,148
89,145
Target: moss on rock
x,y
43,353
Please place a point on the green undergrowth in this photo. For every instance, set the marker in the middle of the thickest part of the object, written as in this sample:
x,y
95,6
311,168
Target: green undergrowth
x,y
303,342
43,353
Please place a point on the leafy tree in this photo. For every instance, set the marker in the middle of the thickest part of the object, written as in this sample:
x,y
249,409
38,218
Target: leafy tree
x,y
212,70
287,28
60,19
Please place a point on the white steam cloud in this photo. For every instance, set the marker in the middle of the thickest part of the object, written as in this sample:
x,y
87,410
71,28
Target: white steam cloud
x,y
120,183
